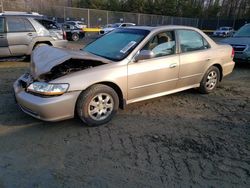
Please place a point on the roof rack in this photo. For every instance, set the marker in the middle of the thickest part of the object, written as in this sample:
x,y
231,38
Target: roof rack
x,y
17,13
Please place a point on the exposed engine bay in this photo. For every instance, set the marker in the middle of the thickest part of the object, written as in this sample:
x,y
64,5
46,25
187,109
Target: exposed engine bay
x,y
69,66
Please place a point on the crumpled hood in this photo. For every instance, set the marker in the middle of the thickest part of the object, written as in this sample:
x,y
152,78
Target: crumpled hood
x,y
44,58
237,40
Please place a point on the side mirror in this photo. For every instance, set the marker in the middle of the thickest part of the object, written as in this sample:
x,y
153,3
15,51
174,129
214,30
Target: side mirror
x,y
144,54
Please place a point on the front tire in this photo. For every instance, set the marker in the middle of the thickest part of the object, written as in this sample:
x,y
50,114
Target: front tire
x,y
210,80
97,105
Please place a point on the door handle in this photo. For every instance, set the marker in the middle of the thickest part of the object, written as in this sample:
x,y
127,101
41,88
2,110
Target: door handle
x,y
30,34
173,65
208,59
2,36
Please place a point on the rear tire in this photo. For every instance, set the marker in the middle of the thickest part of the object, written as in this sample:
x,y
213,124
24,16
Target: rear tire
x,y
97,105
210,80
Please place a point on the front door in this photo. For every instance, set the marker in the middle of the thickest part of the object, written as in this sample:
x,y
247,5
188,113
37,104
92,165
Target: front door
x,y
4,50
158,75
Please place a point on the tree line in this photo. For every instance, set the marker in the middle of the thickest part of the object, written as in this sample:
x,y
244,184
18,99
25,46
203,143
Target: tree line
x,y
234,9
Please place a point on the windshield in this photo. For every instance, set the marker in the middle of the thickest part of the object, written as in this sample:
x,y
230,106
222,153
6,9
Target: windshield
x,y
243,31
117,44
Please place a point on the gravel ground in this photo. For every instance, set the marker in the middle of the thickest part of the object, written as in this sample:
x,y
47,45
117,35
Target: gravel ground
x,y
181,140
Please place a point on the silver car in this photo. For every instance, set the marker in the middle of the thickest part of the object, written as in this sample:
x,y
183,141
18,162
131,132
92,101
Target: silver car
x,y
125,66
20,35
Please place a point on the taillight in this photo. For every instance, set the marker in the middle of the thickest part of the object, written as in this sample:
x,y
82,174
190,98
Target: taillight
x,y
232,53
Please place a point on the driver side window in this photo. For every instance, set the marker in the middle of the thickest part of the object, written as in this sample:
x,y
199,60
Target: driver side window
x,y
162,44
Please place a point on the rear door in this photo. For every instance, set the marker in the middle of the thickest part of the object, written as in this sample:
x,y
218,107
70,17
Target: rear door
x,y
4,50
195,53
20,33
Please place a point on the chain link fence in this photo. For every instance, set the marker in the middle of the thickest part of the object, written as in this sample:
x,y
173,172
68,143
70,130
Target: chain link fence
x,y
93,17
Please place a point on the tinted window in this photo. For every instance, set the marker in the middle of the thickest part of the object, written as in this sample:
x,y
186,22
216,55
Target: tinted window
x,y
191,41
28,25
162,44
1,25
19,25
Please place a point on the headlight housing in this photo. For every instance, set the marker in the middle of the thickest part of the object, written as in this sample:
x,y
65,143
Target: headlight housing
x,y
47,89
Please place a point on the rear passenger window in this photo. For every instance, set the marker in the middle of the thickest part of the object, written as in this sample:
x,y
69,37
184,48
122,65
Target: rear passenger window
x,y
1,25
28,26
19,25
191,41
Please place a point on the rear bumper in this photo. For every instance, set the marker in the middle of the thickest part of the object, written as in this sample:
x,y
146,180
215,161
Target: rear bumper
x,y
46,108
59,43
228,68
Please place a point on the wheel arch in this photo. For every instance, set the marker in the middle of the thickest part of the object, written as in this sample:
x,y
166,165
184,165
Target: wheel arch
x,y
42,42
118,90
220,69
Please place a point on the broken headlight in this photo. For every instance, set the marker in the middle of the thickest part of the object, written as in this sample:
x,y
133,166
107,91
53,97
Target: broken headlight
x,y
48,89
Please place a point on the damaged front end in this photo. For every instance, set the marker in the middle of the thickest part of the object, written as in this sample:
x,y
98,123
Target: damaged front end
x,y
49,63
67,67
39,95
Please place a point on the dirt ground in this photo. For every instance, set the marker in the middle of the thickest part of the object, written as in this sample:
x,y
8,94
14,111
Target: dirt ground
x,y
181,140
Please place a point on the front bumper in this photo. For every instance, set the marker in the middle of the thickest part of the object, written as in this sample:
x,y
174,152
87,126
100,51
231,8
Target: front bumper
x,y
46,108
59,43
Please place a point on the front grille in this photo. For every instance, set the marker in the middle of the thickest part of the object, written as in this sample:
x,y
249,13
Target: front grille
x,y
239,48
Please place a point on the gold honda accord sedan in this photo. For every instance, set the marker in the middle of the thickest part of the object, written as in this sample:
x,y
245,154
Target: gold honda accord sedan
x,y
125,66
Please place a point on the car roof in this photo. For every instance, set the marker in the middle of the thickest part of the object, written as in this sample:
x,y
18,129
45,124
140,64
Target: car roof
x,y
167,27
14,13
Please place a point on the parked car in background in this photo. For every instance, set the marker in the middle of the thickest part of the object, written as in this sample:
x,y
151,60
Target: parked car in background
x,y
110,27
224,32
72,32
53,27
21,33
77,24
240,41
126,66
